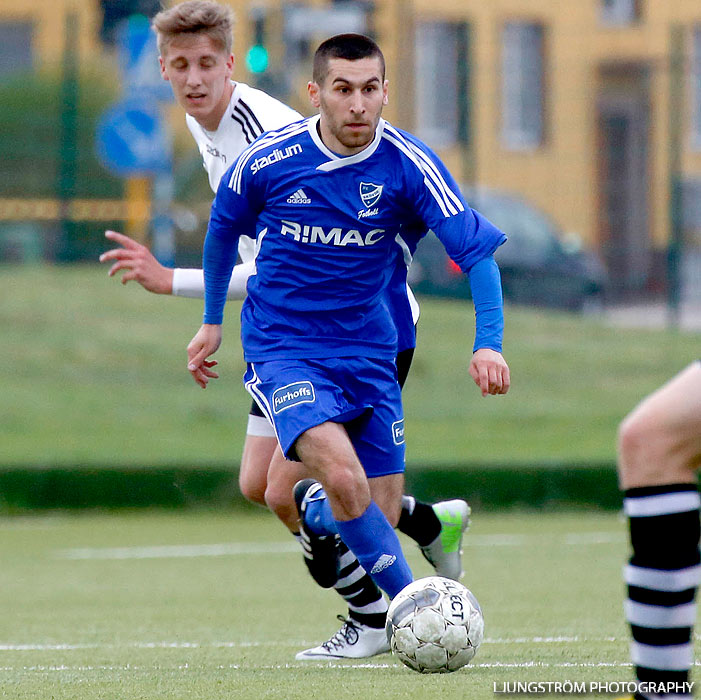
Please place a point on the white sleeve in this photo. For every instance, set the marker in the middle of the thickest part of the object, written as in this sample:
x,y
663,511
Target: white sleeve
x,y
190,282
413,304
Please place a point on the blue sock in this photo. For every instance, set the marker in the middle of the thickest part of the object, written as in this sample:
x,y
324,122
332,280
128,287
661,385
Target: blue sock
x,y
373,541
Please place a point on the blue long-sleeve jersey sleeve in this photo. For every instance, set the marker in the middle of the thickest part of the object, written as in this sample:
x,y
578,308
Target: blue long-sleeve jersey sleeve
x,y
231,215
485,283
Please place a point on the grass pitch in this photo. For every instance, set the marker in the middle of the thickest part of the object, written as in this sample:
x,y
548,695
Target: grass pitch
x,y
207,605
94,374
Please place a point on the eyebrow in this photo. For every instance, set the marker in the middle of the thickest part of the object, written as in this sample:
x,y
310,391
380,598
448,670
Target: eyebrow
x,y
180,57
374,79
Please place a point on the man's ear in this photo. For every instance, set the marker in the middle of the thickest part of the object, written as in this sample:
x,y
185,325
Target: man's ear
x,y
162,64
313,92
385,92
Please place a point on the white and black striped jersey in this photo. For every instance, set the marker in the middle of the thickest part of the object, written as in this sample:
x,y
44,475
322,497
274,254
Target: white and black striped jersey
x,y
250,113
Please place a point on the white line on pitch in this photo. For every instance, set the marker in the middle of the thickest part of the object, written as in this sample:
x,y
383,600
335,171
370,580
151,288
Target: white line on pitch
x,y
180,551
255,548
321,664
245,645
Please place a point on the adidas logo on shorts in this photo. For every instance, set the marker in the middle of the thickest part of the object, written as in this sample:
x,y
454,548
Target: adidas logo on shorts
x,y
299,197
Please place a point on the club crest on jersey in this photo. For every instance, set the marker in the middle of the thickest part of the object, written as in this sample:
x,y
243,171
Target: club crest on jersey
x,y
292,395
370,194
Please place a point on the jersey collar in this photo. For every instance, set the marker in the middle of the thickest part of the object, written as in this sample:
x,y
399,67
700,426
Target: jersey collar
x,y
335,161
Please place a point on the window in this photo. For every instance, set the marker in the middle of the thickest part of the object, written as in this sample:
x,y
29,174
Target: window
x,y
620,13
440,80
522,85
16,55
696,90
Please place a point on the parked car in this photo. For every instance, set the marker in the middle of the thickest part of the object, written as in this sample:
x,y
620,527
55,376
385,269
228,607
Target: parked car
x,y
539,264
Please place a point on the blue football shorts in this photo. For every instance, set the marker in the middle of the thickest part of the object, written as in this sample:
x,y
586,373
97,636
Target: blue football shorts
x,y
361,393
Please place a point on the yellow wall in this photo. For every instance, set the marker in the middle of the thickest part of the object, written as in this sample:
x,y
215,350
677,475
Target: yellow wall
x,y
48,17
560,175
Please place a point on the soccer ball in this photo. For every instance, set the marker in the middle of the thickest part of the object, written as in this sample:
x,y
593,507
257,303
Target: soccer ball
x,y
435,625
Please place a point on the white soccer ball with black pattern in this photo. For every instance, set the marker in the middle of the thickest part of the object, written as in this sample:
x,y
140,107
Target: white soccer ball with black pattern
x,y
435,625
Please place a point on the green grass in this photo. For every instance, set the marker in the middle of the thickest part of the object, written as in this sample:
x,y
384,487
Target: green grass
x,y
94,373
228,626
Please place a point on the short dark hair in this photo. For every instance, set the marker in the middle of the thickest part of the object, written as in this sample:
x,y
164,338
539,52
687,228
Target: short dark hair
x,y
351,47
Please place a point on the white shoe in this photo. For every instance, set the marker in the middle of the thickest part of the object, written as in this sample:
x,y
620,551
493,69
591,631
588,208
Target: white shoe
x,y
353,641
445,552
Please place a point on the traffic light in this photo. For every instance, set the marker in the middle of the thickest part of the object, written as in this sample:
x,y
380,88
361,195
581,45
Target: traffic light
x,y
257,55
257,59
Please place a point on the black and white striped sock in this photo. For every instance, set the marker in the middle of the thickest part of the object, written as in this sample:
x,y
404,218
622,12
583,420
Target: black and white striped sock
x,y
366,604
662,578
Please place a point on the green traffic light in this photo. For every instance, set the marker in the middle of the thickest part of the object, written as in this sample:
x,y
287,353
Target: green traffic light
x,y
257,59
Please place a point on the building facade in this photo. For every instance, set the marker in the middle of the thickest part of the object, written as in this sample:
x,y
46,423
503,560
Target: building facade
x,y
589,109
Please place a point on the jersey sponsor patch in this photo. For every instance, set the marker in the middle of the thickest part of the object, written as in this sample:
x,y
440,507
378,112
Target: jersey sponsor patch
x,y
304,233
275,157
215,153
292,395
398,432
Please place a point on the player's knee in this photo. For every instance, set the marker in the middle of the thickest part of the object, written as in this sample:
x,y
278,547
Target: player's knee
x,y
648,453
252,489
281,503
348,487
633,440
279,500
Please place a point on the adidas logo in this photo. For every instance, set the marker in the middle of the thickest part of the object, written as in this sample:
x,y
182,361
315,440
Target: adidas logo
x,y
299,197
385,561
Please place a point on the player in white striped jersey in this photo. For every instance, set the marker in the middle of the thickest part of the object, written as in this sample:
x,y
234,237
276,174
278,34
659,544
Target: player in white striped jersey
x,y
659,457
224,117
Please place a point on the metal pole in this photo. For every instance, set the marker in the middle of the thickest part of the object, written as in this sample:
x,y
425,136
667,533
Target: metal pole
x,y
465,126
68,144
676,233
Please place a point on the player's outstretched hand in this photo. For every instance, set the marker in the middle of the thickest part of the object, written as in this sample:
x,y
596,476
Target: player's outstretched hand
x,y
139,263
205,343
490,372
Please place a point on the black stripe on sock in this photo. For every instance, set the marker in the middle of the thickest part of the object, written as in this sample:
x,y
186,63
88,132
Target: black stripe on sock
x,y
422,525
375,620
667,599
665,541
657,676
642,491
661,637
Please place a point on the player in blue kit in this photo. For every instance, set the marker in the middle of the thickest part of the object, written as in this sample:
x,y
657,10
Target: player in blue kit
x,y
334,212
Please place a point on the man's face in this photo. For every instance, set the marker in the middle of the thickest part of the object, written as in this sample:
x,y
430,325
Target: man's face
x,y
350,101
199,74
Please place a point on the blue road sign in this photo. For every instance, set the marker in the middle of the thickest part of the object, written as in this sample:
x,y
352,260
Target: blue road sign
x,y
131,139
138,59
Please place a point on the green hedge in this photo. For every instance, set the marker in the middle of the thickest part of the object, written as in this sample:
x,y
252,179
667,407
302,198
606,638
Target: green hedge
x,y
42,488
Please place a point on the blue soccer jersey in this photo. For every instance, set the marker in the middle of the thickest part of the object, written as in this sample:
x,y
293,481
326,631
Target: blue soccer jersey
x,y
332,235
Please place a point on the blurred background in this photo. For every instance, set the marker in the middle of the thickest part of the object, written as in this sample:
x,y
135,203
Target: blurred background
x,y
575,126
